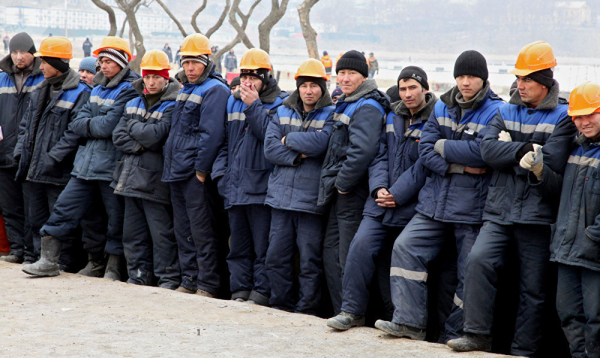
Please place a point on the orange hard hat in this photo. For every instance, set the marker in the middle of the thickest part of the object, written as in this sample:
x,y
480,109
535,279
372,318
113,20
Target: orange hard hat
x,y
56,46
116,43
534,57
254,59
584,99
155,60
311,68
195,45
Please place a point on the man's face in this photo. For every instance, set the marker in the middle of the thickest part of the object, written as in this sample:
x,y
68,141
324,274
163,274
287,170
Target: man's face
x,y
531,92
411,93
86,76
154,83
21,59
109,67
588,125
469,86
310,93
193,70
251,81
48,70
234,88
349,81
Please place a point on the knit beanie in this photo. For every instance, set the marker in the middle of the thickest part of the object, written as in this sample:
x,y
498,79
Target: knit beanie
x,y
120,57
393,93
163,73
234,82
471,63
336,92
88,64
260,73
543,77
60,64
353,60
203,59
318,80
22,42
416,73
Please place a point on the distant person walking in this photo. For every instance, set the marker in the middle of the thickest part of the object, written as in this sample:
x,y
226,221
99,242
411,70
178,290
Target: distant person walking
x,y
6,40
230,61
373,65
169,52
87,47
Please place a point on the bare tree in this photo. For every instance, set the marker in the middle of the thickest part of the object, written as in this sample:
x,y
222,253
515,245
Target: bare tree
x,y
265,27
130,7
219,23
241,28
310,35
181,29
112,19
195,16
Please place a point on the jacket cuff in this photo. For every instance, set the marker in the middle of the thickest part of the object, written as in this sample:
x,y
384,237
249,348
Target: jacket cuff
x,y
439,147
455,169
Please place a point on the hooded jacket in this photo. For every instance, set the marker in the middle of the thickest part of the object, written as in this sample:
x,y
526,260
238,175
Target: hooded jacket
x,y
398,153
241,167
514,196
354,142
294,182
450,194
43,125
97,158
576,238
13,106
197,126
140,136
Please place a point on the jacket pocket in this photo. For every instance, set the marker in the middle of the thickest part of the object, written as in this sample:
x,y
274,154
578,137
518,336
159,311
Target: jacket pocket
x,y
494,201
143,179
255,181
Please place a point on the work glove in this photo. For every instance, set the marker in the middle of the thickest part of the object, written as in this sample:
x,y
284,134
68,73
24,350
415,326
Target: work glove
x,y
534,161
504,136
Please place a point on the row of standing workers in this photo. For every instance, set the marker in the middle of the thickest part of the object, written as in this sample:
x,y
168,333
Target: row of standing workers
x,y
154,178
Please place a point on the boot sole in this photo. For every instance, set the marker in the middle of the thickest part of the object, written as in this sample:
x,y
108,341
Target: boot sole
x,y
344,327
40,274
415,337
475,349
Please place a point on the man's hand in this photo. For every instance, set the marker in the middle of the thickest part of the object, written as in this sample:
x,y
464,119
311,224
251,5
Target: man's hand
x,y
476,171
201,176
283,140
342,192
248,94
385,199
504,136
534,161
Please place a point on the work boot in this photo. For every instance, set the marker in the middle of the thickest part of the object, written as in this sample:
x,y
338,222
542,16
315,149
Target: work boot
x,y
114,267
205,294
47,265
400,330
95,266
185,290
12,258
344,321
471,342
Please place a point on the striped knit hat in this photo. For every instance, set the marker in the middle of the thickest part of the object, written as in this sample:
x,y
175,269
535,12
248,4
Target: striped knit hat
x,y
118,56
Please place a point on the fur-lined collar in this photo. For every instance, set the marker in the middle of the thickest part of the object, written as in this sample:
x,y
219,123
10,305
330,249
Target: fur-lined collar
x,y
548,103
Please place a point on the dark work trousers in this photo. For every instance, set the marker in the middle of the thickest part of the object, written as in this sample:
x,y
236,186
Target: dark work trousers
x,y
12,204
197,240
291,232
149,244
578,305
249,225
370,254
41,199
486,261
75,202
416,248
344,219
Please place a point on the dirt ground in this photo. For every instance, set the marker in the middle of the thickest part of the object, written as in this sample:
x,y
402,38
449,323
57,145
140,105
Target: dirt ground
x,y
76,316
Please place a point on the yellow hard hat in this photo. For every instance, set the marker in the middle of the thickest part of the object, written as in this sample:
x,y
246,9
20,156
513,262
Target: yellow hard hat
x,y
155,60
584,99
116,43
311,68
56,46
254,59
195,45
534,57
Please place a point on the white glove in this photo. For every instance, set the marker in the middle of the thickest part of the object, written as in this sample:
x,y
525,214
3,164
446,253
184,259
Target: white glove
x,y
504,136
534,161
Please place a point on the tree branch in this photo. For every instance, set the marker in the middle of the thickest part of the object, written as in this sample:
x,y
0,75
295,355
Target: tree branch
x,y
310,35
241,29
181,29
195,16
112,19
219,23
265,27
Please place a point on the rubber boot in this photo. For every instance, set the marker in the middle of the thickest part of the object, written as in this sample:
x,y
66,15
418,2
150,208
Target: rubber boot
x,y
95,267
47,265
114,267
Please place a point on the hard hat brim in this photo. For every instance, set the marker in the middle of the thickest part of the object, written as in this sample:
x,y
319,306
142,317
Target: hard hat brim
x,y
155,68
581,112
517,72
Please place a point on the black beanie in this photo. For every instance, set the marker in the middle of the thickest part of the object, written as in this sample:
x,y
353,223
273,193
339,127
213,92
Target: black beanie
x,y
471,63
543,77
416,73
22,42
235,82
353,60
318,80
57,63
393,93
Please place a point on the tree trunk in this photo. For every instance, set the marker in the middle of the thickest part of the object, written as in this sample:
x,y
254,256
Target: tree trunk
x,y
241,29
195,16
310,35
112,19
130,9
219,23
181,29
265,27
123,27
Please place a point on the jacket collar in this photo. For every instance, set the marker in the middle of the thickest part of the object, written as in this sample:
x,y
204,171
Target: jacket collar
x,y
452,97
71,81
6,65
294,101
169,95
400,108
548,103
100,79
210,68
365,88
